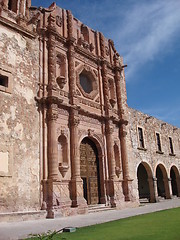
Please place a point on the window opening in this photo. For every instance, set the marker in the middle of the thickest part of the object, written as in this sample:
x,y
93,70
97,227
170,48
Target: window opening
x,y
158,142
3,81
171,145
86,83
141,138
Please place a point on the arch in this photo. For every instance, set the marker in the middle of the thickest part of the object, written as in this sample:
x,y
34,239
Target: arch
x,y
175,181
162,182
145,182
91,171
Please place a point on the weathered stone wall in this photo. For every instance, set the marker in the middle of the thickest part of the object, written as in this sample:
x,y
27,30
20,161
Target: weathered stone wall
x,y
150,154
19,123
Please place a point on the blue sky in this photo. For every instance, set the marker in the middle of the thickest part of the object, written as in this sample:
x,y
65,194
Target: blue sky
x,y
147,35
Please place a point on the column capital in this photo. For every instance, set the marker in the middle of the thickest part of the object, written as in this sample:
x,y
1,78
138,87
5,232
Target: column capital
x,y
52,116
74,121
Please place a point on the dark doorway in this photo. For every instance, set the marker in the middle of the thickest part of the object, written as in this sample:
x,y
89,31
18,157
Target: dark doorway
x,y
173,182
143,185
89,170
160,182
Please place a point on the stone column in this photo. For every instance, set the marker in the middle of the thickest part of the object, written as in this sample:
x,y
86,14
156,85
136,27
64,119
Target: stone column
x,y
124,158
52,116
76,181
155,189
49,198
111,162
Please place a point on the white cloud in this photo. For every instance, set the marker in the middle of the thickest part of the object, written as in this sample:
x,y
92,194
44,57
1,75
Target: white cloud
x,y
147,30
165,113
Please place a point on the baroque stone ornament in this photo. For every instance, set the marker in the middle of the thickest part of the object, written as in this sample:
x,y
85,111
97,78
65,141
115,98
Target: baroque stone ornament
x,y
63,168
59,21
79,158
61,81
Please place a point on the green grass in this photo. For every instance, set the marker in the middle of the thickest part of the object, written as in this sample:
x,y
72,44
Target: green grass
x,y
163,225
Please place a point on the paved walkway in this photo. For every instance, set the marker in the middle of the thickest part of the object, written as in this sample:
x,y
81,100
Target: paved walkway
x,y
21,230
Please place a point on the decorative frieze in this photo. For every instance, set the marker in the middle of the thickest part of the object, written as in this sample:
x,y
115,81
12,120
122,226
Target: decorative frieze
x,y
89,103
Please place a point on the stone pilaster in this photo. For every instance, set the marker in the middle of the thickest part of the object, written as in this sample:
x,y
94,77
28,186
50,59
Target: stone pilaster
x,y
28,5
71,61
22,8
49,198
170,188
52,85
153,192
104,77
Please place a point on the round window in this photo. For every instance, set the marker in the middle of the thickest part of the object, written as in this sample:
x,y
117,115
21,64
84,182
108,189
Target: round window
x,y
85,83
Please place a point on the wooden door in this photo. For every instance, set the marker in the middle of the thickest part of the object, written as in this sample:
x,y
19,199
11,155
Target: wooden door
x,y
89,171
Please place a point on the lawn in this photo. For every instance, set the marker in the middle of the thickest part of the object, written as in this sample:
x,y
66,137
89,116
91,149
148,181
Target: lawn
x,y
163,225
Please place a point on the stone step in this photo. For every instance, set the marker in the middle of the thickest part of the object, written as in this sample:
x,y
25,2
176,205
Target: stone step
x,y
161,199
144,200
99,208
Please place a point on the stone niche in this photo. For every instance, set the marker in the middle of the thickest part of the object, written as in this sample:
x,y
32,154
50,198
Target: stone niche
x,y
61,70
63,154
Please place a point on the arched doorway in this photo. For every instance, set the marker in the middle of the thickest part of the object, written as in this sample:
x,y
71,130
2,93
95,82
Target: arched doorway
x,y
89,170
145,182
162,182
174,175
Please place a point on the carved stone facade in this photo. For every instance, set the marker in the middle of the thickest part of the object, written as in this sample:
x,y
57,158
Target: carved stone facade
x,y
68,138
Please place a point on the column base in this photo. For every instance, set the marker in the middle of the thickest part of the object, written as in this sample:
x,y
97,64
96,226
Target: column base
x,y
127,189
76,192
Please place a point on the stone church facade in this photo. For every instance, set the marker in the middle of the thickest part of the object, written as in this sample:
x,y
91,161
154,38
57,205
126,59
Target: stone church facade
x,y
68,138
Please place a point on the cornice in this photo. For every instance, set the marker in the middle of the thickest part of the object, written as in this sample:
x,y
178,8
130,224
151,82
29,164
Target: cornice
x,y
17,27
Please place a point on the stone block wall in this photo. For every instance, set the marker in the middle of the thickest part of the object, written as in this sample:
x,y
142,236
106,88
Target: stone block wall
x,y
149,154
19,122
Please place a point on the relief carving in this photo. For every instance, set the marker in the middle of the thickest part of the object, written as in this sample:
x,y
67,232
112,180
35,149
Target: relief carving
x,y
89,103
59,21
